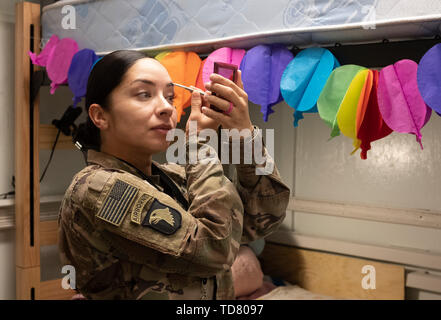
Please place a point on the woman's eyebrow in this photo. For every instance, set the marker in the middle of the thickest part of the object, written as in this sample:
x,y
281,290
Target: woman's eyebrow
x,y
144,81
149,82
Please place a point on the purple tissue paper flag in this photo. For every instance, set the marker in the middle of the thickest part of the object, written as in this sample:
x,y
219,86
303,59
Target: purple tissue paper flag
x,y
429,78
59,61
262,68
41,59
78,74
399,100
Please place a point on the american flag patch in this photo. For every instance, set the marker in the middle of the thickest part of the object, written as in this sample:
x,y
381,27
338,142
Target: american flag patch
x,y
117,203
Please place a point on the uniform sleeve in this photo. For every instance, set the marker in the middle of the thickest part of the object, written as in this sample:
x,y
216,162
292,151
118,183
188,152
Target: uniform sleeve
x,y
146,226
264,195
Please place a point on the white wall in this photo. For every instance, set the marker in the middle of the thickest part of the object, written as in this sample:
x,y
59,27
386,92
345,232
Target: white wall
x,y
397,173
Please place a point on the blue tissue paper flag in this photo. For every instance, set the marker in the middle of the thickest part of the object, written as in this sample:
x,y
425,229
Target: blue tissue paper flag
x,y
304,79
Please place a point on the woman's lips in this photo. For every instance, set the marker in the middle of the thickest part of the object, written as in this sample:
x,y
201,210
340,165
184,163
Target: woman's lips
x,y
162,129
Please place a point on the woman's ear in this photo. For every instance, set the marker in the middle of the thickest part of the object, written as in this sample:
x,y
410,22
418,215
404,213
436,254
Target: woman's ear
x,y
98,116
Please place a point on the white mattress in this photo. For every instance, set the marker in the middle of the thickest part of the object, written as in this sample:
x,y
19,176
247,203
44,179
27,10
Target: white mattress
x,y
202,25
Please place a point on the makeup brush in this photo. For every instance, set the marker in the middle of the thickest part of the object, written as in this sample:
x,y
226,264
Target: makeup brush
x,y
188,88
198,90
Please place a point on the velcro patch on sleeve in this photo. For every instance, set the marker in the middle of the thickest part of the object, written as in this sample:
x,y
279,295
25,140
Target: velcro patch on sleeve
x,y
99,180
117,202
162,218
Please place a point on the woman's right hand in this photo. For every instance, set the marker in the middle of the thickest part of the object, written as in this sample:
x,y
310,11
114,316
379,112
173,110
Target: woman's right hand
x,y
228,93
203,121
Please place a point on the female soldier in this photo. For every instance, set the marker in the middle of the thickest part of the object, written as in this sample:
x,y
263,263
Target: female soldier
x,y
135,229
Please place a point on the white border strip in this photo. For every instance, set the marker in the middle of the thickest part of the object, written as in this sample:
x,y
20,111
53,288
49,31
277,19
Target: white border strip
x,y
49,207
423,281
413,217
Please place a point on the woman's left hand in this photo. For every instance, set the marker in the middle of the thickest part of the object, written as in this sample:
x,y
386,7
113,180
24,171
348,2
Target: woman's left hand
x,y
228,92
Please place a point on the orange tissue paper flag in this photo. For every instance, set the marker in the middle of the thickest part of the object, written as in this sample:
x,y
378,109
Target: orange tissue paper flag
x,y
183,68
370,123
199,81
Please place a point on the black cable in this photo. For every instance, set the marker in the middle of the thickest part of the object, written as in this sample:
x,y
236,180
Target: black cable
x,y
50,157
5,195
63,125
10,193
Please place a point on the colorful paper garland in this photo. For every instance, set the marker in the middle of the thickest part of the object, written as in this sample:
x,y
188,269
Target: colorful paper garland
x,y
371,103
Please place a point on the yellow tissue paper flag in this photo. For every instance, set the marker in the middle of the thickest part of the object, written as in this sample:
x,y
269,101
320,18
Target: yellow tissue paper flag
x,y
347,113
161,55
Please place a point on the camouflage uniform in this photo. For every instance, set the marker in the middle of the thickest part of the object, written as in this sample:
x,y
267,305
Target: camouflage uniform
x,y
130,240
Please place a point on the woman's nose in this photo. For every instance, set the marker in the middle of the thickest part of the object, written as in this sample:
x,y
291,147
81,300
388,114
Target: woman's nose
x,y
164,107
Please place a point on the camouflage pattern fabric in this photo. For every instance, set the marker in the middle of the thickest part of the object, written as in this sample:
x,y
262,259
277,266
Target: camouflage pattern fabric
x,y
129,240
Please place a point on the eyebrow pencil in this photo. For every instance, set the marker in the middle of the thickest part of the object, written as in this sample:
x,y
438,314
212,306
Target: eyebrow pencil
x,y
188,88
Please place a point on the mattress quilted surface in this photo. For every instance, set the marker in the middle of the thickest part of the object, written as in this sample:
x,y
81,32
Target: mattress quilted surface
x,y
107,25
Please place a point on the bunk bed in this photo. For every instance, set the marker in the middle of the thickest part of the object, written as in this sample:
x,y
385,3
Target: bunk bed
x,y
343,28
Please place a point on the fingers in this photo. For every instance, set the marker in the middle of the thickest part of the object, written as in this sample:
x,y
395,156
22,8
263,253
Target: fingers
x,y
203,97
239,79
216,78
196,102
218,116
227,94
220,103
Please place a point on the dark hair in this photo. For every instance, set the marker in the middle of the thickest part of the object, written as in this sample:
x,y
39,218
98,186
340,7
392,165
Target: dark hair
x,y
105,76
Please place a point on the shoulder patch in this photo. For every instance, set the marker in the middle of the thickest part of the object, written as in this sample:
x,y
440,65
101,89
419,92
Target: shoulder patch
x,y
117,202
142,201
99,180
162,218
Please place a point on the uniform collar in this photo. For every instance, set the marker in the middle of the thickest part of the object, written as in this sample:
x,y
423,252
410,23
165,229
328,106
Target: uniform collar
x,y
110,162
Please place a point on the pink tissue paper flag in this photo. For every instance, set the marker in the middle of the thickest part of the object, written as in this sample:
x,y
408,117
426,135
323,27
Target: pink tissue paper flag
x,y
59,61
226,55
41,59
399,100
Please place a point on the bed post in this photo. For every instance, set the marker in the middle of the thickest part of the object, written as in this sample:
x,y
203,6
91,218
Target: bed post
x,y
27,189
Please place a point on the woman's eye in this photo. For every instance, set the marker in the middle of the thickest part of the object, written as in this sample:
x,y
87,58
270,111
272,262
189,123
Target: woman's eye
x,y
171,98
144,94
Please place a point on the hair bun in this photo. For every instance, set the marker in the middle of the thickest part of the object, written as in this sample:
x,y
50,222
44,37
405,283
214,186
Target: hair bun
x,y
86,136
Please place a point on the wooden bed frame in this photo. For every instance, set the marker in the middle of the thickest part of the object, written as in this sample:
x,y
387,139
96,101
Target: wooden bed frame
x,y
333,275
30,137
309,269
